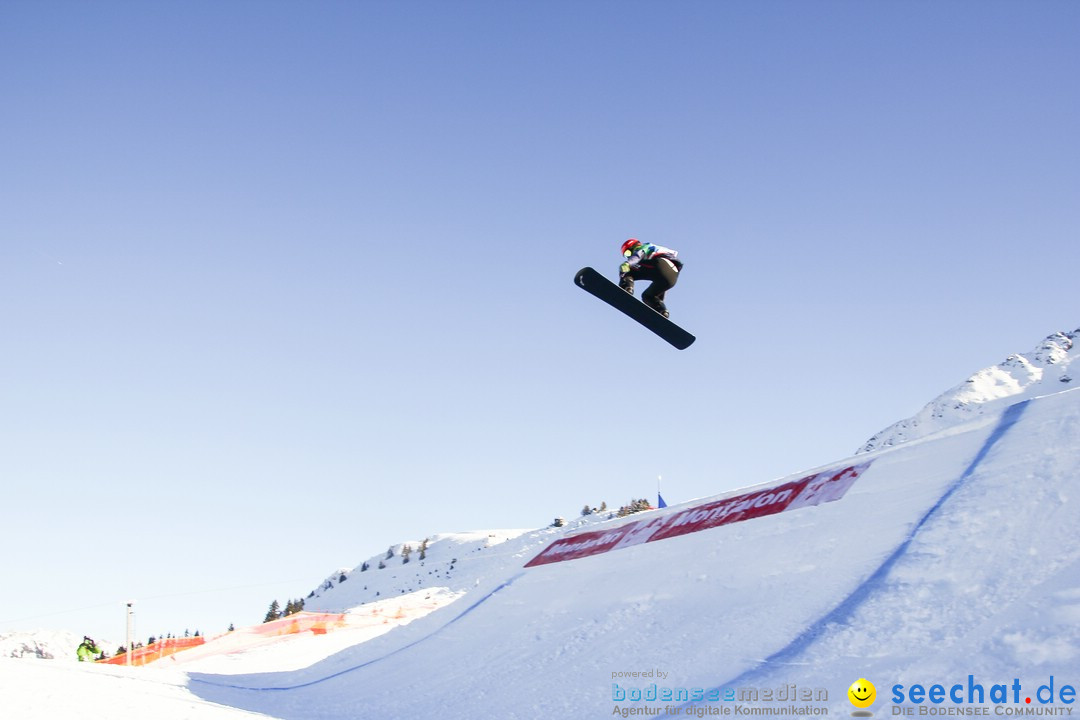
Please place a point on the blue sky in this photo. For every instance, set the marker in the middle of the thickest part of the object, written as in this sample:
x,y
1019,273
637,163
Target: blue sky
x,y
283,283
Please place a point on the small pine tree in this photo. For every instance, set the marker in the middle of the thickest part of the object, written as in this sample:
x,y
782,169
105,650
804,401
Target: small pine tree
x,y
423,549
586,511
406,551
558,522
232,628
274,613
635,506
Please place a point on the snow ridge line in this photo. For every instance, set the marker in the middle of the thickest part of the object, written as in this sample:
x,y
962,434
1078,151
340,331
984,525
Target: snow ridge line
x,y
339,673
847,607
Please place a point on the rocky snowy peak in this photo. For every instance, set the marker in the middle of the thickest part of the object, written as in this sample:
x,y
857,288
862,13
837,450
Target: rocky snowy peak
x,y
42,645
1043,371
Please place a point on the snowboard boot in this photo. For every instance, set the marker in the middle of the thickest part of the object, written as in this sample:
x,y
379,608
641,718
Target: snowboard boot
x,y
656,302
656,305
627,283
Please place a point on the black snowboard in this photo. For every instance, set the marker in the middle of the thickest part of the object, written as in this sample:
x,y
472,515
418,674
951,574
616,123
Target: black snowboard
x,y
598,285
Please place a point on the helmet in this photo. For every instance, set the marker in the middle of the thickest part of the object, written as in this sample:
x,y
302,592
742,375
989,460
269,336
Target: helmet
x,y
630,245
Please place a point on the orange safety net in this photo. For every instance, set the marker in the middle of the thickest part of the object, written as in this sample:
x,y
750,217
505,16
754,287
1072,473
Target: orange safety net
x,y
301,622
316,623
155,651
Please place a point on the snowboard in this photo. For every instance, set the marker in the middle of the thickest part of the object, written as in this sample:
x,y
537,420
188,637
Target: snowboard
x,y
596,284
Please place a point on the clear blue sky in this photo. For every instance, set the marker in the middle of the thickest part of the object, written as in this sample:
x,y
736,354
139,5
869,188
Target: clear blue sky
x,y
282,283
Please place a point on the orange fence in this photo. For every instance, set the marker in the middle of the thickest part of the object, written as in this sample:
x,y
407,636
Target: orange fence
x,y
156,651
301,622
316,623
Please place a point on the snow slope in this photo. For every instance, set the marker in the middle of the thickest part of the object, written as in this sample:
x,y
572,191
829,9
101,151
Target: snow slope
x,y
452,561
60,690
248,650
954,554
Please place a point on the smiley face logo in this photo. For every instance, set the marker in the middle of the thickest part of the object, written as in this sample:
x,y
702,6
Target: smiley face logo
x,y
862,693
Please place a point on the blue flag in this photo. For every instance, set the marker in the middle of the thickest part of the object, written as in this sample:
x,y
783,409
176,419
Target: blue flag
x,y
660,501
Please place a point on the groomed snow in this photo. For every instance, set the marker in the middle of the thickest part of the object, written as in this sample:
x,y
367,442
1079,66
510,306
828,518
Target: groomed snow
x,y
955,554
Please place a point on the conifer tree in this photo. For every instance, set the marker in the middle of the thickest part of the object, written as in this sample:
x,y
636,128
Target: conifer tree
x,y
274,613
634,506
292,607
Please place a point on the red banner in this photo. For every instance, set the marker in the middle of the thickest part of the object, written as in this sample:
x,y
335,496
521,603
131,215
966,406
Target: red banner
x,y
804,492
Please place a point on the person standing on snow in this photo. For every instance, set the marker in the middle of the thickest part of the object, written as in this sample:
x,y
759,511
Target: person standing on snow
x,y
645,261
88,650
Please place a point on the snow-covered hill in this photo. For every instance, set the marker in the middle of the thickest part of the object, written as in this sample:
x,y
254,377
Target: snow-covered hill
x,y
952,560
952,557
1043,371
43,645
453,561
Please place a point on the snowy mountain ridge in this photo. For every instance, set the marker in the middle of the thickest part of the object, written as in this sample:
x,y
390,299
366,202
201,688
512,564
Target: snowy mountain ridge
x,y
1043,371
41,644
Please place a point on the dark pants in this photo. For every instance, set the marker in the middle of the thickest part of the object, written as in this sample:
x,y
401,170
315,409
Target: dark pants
x,y
663,272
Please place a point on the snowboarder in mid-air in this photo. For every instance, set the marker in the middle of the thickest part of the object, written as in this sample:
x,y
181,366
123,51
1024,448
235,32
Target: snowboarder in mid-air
x,y
645,261
641,261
